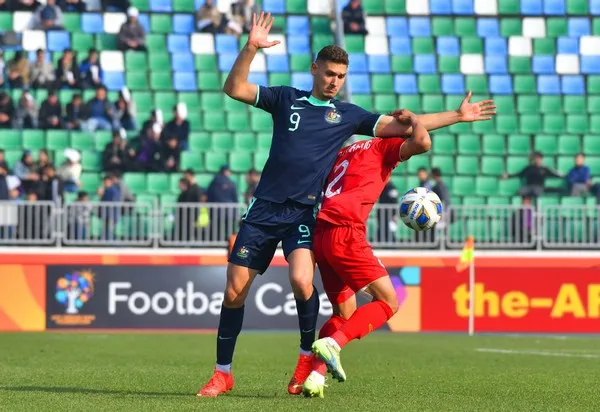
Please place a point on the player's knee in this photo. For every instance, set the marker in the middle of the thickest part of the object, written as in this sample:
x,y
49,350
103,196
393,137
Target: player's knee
x,y
302,287
392,302
233,298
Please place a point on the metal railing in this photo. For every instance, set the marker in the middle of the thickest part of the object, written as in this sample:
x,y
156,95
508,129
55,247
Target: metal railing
x,y
120,224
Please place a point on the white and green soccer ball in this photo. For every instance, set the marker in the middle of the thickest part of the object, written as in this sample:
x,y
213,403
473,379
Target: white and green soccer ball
x,y
420,209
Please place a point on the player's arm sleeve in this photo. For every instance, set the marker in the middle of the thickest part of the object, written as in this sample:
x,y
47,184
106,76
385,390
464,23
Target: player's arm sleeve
x,y
268,98
366,122
390,151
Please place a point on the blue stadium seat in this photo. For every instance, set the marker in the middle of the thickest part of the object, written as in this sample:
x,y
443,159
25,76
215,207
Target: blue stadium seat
x,y
278,63
165,6
400,45
298,25
425,64
182,62
114,80
531,7
298,44
579,26
453,83
397,26
440,7
500,84
358,63
184,23
568,45
184,81
419,27
58,40
554,7
463,7
573,85
495,65
92,23
447,46
178,43
274,6
258,78
542,64
590,64
405,84
595,7
226,44
302,81
32,56
226,61
144,20
488,28
198,3
495,46
548,84
360,83
379,63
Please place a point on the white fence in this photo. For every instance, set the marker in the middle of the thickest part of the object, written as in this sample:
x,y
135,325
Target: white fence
x,y
149,225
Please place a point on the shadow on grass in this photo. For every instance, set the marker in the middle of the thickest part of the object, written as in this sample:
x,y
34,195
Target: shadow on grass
x,y
59,389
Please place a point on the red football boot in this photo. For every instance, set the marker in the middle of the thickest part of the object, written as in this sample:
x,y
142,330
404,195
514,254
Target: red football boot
x,y
220,382
303,369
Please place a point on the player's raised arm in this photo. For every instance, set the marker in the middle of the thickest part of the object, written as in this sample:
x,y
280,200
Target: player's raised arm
x,y
237,86
419,142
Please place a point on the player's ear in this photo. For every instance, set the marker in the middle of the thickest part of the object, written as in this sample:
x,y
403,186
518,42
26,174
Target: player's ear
x,y
313,68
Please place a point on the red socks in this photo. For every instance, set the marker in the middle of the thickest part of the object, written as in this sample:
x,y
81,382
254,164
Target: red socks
x,y
365,320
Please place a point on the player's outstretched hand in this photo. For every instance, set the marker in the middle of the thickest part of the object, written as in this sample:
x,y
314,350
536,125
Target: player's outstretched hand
x,y
260,31
473,112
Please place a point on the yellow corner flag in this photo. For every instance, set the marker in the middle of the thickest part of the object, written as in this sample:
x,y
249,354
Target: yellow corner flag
x,y
467,255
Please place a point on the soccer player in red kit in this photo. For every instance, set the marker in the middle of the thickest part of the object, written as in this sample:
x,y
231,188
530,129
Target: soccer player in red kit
x,y
345,258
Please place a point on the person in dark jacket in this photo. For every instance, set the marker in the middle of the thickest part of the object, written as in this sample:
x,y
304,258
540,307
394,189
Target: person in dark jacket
x,y
7,111
50,116
151,150
72,6
440,188
222,190
171,153
534,176
178,126
91,71
354,18
109,214
132,35
52,187
3,164
186,214
75,113
113,156
99,112
252,179
67,72
197,193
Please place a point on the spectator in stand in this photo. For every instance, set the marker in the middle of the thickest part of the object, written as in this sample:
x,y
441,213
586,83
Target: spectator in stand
x,y
240,19
423,177
222,189
208,18
156,116
5,5
109,214
25,171
535,176
79,217
72,6
52,187
42,72
124,191
25,5
579,179
387,217
171,153
91,71
18,71
31,219
113,157
186,215
75,113
125,110
178,126
67,73
196,192
7,111
252,179
131,154
150,154
26,116
3,164
2,69
100,112
354,18
50,116
70,171
440,188
132,35
47,17
43,161
119,5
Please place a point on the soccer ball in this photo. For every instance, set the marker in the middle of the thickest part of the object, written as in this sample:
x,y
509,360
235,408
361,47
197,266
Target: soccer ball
x,y
420,209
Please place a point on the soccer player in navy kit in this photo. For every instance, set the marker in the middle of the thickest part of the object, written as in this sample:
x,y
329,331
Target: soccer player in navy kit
x,y
309,128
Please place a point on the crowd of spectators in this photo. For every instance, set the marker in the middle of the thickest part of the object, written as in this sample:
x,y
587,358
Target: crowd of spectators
x,y
236,20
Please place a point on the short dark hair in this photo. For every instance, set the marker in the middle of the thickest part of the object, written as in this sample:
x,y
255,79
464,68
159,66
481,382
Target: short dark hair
x,y
538,154
334,54
421,169
82,194
184,181
436,172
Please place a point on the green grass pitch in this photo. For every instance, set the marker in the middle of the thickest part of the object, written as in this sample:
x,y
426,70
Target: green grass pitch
x,y
392,372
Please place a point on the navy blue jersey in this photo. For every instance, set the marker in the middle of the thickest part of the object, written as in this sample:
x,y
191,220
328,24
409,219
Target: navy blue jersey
x,y
307,135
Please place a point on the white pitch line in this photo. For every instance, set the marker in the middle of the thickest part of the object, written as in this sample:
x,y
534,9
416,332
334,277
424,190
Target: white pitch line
x,y
538,353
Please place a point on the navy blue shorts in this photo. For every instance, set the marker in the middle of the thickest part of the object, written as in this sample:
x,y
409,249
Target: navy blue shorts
x,y
264,225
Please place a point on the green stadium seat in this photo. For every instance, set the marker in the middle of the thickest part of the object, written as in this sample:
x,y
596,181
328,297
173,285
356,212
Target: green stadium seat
x,y
577,123
473,201
519,144
237,122
494,144
136,80
159,61
463,185
504,104
33,140
301,62
569,145
529,104
593,84
260,121
91,161
465,26
492,165
240,161
372,7
160,80
591,145
548,145
544,46
184,6
416,162
263,141
158,183
411,102
443,143
260,158
55,139
214,121
165,101
530,124
156,43
556,27
564,164
550,104
209,81
382,83
137,182
195,119
575,104
594,164
514,164
192,100
429,83
278,79
11,139
469,144
101,139
442,26
554,124
476,83
445,163
321,40
296,7
486,185
82,141
448,64
206,63
192,160
212,101
91,181
244,141
402,64
423,45
511,27
385,103
105,41
508,187
141,5
168,199
471,45
519,65
222,142
506,123
432,103
81,42
136,61
525,84
498,200
200,141
579,7
214,161
160,23
593,104
467,165
363,100
594,124
394,6
354,44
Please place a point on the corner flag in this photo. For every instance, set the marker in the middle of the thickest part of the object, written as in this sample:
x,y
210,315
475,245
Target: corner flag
x,y
467,255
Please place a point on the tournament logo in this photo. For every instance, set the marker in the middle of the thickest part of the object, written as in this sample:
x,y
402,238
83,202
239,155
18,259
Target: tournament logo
x,y
73,291
243,252
332,116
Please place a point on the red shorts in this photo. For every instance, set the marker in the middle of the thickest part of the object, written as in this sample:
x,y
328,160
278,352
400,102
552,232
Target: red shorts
x,y
346,260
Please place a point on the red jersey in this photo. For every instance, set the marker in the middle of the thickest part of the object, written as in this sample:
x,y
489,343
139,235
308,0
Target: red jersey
x,y
356,181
